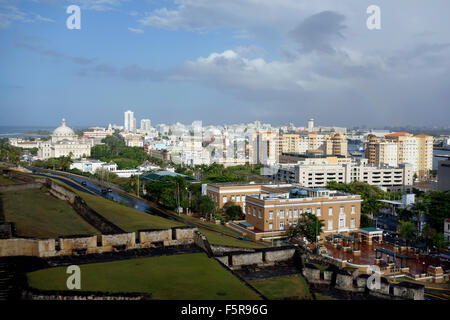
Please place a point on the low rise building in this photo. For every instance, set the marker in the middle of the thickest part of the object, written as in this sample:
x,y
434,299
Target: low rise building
x,y
92,165
339,211
271,209
318,174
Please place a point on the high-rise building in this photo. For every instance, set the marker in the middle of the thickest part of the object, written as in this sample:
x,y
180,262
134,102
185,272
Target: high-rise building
x,y
311,125
402,147
145,124
265,148
129,121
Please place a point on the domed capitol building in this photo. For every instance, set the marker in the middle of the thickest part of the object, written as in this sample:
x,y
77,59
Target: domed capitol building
x,y
64,142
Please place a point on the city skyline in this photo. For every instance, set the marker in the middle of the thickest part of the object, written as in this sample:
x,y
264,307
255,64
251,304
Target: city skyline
x,y
172,63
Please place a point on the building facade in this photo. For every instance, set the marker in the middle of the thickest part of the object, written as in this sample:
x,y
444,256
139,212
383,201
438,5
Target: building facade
x,y
277,212
318,174
64,142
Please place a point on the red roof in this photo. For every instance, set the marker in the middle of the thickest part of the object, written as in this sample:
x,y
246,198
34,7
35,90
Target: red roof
x,y
397,134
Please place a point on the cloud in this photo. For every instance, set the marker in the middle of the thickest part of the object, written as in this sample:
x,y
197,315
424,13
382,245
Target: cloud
x,y
318,31
82,60
10,14
135,30
99,5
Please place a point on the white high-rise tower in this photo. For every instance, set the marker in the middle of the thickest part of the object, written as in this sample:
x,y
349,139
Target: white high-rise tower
x,y
129,121
311,125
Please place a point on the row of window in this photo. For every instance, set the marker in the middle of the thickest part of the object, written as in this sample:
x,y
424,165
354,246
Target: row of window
x,y
295,212
281,225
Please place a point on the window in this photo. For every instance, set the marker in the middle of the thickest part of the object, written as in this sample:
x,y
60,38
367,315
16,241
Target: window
x,y
290,213
238,198
270,226
341,210
260,214
330,211
318,212
353,209
341,222
295,213
270,215
281,214
232,198
330,224
352,223
282,225
254,212
224,199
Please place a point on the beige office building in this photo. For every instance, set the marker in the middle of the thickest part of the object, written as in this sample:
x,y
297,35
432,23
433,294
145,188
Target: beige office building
x,y
401,147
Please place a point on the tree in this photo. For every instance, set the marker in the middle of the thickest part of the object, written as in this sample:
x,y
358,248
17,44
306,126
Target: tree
x,y
433,239
366,222
406,229
308,226
233,211
205,205
438,208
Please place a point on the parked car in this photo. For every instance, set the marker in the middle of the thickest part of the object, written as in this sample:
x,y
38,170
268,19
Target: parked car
x,y
83,183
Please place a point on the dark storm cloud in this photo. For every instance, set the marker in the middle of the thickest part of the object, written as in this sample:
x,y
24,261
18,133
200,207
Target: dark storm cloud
x,y
319,31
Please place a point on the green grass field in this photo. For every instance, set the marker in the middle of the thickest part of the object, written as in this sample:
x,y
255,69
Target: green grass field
x,y
320,296
184,276
38,214
283,287
4,181
217,238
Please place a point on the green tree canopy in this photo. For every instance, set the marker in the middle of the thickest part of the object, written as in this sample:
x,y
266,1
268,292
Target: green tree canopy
x,y
308,226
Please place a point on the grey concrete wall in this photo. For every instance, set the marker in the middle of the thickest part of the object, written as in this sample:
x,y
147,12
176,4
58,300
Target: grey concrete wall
x,y
247,259
71,244
17,187
123,239
184,233
27,247
279,255
219,250
155,236
344,282
201,241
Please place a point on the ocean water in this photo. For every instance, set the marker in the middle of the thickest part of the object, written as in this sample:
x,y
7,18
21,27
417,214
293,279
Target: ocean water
x,y
20,132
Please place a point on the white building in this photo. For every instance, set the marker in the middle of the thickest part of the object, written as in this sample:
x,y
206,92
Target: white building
x,y
64,142
92,165
145,124
129,121
319,174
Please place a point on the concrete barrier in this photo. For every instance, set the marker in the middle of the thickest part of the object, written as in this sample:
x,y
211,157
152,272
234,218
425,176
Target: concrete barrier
x,y
124,239
151,236
71,244
250,258
278,255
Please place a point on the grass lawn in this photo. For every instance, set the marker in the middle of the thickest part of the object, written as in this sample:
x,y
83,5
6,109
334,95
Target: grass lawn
x,y
217,238
321,267
320,296
184,276
283,287
4,181
123,216
38,214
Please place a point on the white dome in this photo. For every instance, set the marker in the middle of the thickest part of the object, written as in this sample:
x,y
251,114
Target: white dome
x,y
63,130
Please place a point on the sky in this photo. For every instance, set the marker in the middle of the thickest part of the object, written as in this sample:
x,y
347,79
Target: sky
x,y
225,62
